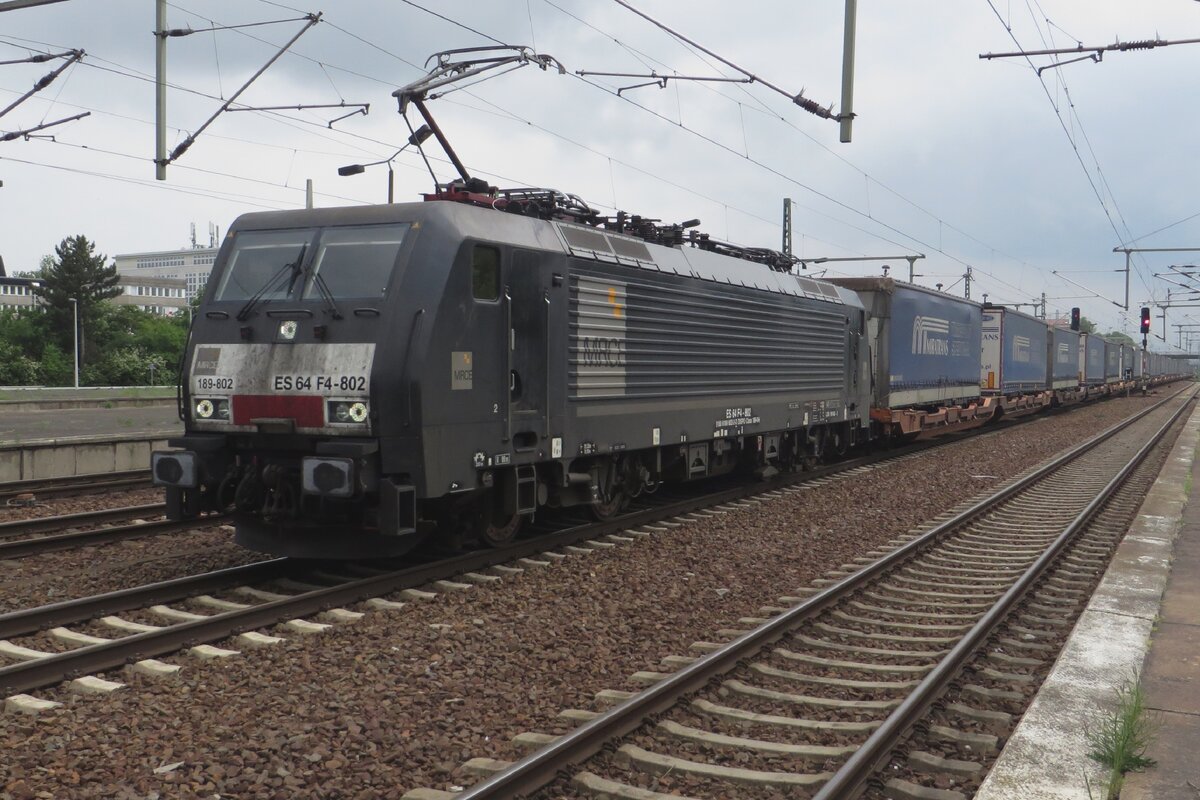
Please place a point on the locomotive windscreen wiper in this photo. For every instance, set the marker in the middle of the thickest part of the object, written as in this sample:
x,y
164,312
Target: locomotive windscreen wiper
x,y
292,267
323,288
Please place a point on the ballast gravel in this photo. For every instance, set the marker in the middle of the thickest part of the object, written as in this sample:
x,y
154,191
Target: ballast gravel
x,y
13,511
400,699
68,574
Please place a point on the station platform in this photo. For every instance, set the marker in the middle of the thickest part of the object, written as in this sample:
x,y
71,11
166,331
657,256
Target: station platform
x,y
40,398
51,443
1143,621
30,426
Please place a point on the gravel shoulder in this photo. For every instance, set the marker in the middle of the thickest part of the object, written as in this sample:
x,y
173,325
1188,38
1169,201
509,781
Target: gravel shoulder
x,y
59,506
400,699
68,574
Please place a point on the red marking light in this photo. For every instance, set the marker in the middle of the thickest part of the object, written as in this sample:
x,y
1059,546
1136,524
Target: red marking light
x,y
308,411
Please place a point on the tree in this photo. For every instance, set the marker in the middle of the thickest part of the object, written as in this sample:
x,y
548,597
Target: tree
x,y
77,272
1086,325
1117,336
16,368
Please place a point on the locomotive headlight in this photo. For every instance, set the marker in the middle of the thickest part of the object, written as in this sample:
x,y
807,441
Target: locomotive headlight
x,y
204,409
222,411
345,412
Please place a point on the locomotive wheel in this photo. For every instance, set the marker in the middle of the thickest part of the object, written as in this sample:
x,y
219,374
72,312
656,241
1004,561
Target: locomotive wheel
x,y
499,532
610,508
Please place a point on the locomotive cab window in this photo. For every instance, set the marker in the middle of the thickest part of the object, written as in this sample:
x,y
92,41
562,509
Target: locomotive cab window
x,y
355,262
266,262
485,273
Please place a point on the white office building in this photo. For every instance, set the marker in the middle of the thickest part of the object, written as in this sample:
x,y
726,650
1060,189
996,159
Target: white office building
x,y
192,266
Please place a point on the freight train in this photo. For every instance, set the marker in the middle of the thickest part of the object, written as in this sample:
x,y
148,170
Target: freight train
x,y
360,379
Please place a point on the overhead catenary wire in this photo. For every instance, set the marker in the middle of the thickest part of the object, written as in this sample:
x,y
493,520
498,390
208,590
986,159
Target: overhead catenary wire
x,y
506,112
756,104
73,58
360,38
495,40
12,135
347,142
799,99
183,146
195,191
1062,123
709,139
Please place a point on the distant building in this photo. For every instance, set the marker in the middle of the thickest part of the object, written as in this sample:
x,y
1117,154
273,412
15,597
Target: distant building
x,y
192,266
15,292
167,296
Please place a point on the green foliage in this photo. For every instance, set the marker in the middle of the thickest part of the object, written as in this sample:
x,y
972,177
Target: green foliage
x,y
119,343
76,272
58,368
1117,336
1086,325
26,331
1121,739
128,366
133,340
16,368
28,357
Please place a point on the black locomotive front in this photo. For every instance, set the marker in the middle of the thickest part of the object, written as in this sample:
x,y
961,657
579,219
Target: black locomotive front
x,y
283,382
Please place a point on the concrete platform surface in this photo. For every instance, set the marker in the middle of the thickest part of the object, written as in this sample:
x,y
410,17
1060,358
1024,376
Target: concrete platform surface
x,y
30,426
49,393
1171,677
1046,758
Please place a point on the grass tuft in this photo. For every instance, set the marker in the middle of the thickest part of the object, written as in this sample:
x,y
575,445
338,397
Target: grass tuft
x,y
1123,736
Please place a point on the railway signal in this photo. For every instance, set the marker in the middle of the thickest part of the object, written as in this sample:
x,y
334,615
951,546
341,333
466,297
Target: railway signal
x,y
1074,319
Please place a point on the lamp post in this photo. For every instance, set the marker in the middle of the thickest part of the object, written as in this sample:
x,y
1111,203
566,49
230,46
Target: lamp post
x,y
416,137
75,316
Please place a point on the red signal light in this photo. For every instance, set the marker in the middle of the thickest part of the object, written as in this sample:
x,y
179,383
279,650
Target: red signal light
x,y
1145,320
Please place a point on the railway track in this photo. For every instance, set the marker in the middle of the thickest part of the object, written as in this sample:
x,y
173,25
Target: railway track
x,y
209,619
16,540
18,528
14,548
76,485
306,596
17,536
818,694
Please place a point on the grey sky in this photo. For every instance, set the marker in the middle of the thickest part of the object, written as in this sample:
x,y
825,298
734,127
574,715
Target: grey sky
x,y
962,159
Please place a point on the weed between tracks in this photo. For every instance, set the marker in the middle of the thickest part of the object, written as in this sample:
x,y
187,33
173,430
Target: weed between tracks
x,y
1121,739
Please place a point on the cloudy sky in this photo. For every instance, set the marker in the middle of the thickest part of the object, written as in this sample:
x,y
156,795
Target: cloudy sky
x,y
973,163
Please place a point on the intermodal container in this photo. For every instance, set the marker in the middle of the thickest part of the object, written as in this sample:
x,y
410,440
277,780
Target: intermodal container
x,y
1014,352
1062,358
925,343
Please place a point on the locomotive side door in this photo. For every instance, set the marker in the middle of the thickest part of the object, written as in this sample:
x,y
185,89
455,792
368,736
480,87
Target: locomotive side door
x,y
528,302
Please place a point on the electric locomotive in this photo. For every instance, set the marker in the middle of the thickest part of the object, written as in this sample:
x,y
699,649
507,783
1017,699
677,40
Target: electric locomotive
x,y
357,379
